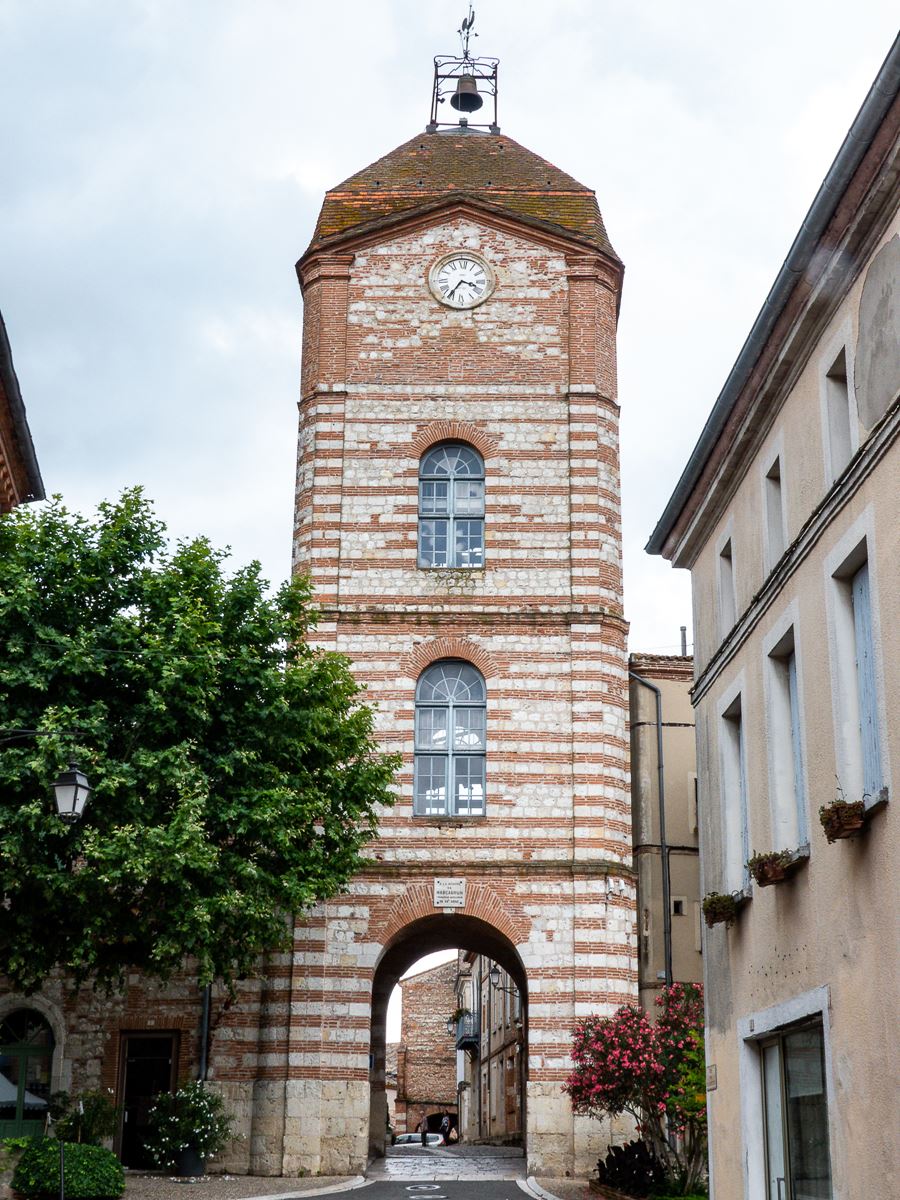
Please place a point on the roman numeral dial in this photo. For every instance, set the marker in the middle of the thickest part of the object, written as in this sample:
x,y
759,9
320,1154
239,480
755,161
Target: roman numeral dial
x,y
461,280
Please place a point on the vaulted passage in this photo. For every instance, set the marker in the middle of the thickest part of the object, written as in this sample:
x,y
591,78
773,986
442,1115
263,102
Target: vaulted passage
x,y
462,1053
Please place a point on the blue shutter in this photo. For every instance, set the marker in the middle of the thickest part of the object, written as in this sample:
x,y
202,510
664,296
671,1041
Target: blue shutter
x,y
865,681
797,750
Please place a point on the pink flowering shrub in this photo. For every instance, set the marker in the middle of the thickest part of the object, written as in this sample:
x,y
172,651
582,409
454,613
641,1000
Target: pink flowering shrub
x,y
655,1072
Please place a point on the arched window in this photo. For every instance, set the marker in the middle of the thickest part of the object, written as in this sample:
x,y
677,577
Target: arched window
x,y
26,1055
451,507
450,733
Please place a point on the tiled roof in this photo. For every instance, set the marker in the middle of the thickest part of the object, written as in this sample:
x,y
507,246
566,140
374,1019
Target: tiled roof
x,y
490,168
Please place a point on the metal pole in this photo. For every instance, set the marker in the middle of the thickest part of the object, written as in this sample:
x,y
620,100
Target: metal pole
x,y
62,1170
204,1036
663,847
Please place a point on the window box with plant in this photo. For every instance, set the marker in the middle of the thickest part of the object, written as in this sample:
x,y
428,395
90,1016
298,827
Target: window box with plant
x,y
722,907
774,866
843,818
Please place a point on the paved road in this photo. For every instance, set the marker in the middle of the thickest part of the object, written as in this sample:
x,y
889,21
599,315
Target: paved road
x,y
451,1189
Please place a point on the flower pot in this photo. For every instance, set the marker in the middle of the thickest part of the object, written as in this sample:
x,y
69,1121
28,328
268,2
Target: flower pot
x,y
189,1163
842,820
841,825
775,869
769,873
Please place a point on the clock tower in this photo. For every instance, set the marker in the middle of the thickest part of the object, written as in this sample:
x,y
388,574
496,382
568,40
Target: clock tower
x,y
458,513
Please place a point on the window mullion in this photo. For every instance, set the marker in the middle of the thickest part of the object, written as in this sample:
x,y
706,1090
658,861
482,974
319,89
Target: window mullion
x,y
451,756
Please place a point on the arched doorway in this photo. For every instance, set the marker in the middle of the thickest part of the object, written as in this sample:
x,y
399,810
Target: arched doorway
x,y
26,1059
498,1063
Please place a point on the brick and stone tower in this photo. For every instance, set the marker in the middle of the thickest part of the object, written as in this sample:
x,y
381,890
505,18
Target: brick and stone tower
x,y
458,512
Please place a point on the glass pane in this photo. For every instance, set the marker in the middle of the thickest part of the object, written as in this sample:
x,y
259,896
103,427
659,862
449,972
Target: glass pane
x,y
433,543
468,729
468,786
37,1086
775,1171
434,497
469,543
452,460
431,784
446,681
9,1087
807,1115
468,498
431,728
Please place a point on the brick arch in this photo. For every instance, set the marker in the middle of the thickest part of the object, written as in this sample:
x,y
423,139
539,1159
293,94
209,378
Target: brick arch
x,y
454,431
501,912
426,653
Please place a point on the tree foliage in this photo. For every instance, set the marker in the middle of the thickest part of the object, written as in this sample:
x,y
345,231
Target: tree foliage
x,y
655,1072
235,773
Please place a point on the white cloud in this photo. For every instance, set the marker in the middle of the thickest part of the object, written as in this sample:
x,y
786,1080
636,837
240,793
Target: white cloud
x,y
164,163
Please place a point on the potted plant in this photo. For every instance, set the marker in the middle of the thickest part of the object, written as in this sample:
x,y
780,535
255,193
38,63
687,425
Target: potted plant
x,y
842,818
719,907
187,1127
773,866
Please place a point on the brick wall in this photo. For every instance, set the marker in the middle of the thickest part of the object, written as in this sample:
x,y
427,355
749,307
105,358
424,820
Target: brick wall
x,y
528,378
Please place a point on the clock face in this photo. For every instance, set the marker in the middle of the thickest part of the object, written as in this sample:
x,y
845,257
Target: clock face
x,y
461,280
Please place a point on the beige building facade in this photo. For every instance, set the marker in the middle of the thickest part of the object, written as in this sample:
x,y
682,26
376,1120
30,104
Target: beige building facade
x,y
788,517
490,1041
664,823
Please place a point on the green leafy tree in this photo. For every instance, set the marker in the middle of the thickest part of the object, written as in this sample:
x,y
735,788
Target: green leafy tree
x,y
235,772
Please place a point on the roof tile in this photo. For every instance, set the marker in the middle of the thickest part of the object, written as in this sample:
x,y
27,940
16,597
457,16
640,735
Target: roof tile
x,y
487,167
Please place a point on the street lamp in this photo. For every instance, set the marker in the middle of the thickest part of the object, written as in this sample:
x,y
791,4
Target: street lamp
x,y
72,792
451,1026
494,977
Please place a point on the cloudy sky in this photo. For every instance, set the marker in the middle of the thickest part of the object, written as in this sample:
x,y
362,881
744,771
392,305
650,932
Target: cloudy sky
x,y
164,161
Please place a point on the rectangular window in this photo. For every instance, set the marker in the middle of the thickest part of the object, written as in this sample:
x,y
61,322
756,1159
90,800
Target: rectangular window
x,y
468,786
795,1107
434,543
865,681
431,728
727,600
786,772
431,784
859,739
468,733
456,540
434,498
837,415
776,536
469,544
734,797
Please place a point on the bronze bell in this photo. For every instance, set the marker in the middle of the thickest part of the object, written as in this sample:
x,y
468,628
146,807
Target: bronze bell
x,y
466,98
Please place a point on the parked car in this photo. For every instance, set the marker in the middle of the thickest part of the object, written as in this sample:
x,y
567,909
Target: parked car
x,y
415,1139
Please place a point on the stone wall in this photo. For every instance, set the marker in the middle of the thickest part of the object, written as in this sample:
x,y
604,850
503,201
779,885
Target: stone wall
x,y
528,379
426,1082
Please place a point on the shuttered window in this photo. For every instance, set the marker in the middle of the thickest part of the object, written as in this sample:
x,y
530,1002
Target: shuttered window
x,y
865,682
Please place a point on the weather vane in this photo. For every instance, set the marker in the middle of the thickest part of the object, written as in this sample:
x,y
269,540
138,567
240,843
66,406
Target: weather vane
x,y
465,31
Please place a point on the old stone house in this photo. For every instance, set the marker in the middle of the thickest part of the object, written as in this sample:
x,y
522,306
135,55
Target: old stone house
x,y
426,1055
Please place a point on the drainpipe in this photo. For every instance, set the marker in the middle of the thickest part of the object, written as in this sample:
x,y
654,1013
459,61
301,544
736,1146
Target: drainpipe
x,y
663,847
204,1036
478,1060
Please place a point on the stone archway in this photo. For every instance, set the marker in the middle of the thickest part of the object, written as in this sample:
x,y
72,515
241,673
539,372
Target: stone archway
x,y
409,942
